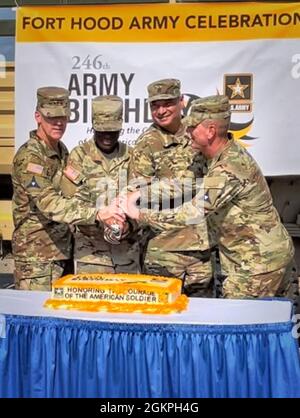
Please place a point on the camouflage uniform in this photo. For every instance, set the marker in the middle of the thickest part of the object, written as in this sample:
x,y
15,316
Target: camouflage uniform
x,y
41,244
181,252
95,178
256,251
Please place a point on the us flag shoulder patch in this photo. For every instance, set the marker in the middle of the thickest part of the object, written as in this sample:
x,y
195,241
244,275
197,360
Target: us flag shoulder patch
x,y
71,173
35,168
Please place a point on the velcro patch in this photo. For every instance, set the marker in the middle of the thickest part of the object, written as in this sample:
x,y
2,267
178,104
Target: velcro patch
x,y
35,168
71,173
33,184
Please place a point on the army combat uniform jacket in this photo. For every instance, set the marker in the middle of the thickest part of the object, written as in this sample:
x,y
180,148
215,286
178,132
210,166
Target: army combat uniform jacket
x,y
40,212
159,154
240,212
96,179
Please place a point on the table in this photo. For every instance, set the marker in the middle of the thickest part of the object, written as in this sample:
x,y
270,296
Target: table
x,y
217,348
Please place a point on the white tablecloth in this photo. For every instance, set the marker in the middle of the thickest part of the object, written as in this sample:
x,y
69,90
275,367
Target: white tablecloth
x,y
200,311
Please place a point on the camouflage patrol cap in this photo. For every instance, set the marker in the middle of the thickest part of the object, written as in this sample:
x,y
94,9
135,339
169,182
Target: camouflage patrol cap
x,y
53,101
107,113
168,88
211,107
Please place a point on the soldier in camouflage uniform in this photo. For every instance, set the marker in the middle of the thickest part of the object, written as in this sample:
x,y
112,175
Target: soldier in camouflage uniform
x,y
256,251
164,151
96,171
41,238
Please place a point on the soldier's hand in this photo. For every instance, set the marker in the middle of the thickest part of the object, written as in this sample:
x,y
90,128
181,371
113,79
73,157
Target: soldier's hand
x,y
108,214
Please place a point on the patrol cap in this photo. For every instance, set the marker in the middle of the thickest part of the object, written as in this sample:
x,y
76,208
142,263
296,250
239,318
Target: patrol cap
x,y
107,113
211,107
168,88
53,101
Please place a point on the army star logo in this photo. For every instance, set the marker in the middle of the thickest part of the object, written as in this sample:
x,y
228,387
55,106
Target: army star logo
x,y
59,292
33,183
238,89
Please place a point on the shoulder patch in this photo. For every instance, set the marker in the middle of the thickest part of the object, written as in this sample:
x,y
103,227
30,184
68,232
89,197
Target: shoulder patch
x,y
33,184
207,198
35,168
71,173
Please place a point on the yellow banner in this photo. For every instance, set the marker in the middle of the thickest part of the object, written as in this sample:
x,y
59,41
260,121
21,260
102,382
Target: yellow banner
x,y
159,22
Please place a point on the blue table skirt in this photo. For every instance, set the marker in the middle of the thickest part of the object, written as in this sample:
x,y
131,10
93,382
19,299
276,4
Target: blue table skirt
x,y
47,357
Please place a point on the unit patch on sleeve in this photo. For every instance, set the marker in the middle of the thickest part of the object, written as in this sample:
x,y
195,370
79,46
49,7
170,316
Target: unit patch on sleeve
x,y
207,198
33,184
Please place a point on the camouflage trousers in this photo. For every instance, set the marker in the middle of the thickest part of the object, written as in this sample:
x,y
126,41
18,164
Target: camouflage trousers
x,y
39,275
279,283
193,267
81,267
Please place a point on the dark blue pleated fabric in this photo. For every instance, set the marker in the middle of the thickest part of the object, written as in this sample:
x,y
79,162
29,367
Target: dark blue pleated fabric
x,y
42,357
